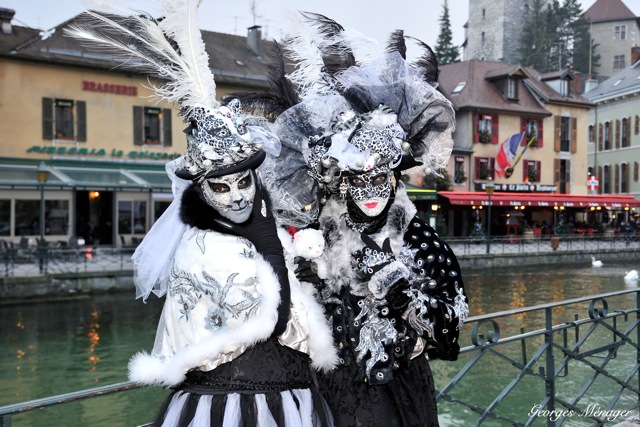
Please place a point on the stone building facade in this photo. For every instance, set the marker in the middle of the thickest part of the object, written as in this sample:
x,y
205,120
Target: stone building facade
x,y
494,28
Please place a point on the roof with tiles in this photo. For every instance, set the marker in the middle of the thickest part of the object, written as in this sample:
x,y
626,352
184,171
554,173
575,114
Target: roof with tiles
x,y
479,91
623,82
230,57
609,10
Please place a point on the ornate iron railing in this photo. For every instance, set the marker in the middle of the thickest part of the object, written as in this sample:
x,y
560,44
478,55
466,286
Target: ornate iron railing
x,y
579,371
566,370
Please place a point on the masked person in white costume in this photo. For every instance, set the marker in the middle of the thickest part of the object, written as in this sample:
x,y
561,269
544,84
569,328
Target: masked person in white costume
x,y
238,337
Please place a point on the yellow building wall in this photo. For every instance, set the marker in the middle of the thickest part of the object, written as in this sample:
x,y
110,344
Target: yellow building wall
x,y
109,116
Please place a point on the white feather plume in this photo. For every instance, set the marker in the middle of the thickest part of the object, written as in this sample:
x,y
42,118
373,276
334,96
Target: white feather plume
x,y
302,47
142,44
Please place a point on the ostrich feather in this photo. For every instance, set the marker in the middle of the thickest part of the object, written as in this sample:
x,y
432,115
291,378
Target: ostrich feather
x,y
171,50
303,49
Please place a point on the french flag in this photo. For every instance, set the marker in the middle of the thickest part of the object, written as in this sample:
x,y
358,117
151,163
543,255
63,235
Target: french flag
x,y
508,150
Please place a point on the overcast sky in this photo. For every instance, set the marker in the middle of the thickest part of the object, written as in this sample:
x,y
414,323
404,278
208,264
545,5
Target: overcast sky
x,y
374,18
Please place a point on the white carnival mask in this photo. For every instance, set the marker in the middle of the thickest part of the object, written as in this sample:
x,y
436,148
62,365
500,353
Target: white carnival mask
x,y
231,195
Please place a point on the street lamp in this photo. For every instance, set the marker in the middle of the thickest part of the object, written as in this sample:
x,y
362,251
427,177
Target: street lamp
x,y
42,175
489,187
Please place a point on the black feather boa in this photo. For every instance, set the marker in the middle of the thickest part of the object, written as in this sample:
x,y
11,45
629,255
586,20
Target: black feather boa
x,y
197,213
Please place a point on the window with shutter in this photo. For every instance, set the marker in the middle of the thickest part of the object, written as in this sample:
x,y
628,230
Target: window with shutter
x,y
600,179
484,129
636,171
637,125
624,178
616,180
624,133
617,134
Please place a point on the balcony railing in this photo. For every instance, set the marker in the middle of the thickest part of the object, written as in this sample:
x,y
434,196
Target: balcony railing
x,y
578,362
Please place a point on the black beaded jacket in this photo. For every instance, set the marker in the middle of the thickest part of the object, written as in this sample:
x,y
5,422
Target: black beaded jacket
x,y
370,327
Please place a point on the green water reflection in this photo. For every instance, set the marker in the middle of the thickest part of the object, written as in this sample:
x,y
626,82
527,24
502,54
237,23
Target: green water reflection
x,y
56,347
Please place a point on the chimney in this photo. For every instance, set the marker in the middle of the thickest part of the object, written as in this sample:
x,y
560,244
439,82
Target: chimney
x,y
591,84
6,15
254,36
576,83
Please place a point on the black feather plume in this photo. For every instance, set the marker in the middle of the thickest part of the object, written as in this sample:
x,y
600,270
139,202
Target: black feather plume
x,y
396,43
336,55
282,95
427,61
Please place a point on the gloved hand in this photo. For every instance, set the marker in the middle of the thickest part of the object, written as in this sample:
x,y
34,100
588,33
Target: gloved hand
x,y
305,272
396,298
260,229
372,258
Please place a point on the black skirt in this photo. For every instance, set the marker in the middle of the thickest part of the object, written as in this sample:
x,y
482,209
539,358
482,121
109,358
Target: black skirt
x,y
268,385
408,400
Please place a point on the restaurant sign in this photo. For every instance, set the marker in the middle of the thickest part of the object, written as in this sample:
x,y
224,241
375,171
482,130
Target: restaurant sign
x,y
102,152
518,188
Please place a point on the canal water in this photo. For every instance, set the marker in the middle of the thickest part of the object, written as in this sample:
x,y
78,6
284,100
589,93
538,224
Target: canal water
x,y
60,346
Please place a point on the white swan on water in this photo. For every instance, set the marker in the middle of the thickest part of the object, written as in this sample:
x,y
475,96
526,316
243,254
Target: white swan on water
x,y
595,262
631,275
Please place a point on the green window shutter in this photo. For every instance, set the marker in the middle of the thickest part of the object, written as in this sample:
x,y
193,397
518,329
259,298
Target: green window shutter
x,y
47,118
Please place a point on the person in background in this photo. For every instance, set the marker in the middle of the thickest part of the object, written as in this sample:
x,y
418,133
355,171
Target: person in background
x,y
238,335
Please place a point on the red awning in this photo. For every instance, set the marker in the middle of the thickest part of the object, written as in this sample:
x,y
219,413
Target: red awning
x,y
540,199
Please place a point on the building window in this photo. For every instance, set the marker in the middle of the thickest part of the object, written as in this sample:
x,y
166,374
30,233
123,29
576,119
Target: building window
x,y
5,217
531,171
625,133
459,175
152,126
564,87
63,120
512,89
620,32
533,129
27,222
591,134
483,13
606,180
618,62
487,129
458,88
565,134
132,217
482,37
484,167
607,136
624,178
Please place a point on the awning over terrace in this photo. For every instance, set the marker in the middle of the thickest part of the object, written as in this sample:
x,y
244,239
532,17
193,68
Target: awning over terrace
x,y
540,199
112,177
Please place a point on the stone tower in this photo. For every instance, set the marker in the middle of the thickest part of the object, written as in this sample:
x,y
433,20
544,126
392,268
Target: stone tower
x,y
494,28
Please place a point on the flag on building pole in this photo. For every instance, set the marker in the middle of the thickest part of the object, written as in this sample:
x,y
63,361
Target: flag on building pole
x,y
507,151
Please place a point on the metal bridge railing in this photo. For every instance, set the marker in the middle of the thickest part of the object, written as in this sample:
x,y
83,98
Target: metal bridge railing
x,y
26,261
579,371
566,369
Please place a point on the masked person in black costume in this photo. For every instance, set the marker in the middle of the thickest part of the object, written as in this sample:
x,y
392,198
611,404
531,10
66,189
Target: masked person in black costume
x,y
352,118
